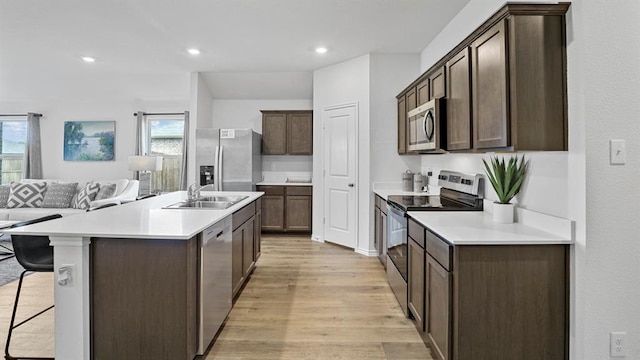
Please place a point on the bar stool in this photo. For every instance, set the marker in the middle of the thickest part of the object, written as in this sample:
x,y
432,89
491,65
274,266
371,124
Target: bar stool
x,y
34,254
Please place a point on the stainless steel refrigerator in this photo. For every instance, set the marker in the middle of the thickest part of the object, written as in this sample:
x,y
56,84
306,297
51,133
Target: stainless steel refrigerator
x,y
228,159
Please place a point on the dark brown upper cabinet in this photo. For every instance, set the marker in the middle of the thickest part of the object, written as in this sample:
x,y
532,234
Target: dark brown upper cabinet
x,y
287,132
458,102
274,133
505,84
437,84
422,91
489,81
402,124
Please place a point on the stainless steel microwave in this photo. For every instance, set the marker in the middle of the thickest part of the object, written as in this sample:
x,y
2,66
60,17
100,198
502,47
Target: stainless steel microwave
x,y
425,125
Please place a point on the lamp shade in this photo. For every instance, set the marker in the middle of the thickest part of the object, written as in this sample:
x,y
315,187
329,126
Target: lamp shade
x,y
144,163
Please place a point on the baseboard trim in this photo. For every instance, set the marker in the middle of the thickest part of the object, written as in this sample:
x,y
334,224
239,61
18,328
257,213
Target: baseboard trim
x,y
366,252
316,238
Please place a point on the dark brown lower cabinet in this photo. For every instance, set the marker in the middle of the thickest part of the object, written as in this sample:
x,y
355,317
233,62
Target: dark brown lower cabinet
x,y
416,283
243,246
156,277
286,209
380,234
257,234
438,321
490,302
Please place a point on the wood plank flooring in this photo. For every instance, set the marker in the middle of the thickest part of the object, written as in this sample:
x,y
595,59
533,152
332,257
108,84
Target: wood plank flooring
x,y
305,300
308,300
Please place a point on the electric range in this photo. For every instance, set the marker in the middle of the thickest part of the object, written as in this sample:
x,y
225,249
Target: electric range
x,y
458,192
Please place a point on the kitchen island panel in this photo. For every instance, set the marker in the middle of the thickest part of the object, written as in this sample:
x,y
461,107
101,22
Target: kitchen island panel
x,y
143,298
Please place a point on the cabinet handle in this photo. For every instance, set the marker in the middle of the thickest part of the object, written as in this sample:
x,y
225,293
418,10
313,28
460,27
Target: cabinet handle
x,y
350,185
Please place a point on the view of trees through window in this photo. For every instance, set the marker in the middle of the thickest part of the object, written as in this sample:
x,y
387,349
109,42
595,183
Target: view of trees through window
x,y
165,139
13,135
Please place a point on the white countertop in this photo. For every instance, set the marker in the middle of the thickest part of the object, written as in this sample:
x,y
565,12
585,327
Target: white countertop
x,y
478,228
284,183
144,219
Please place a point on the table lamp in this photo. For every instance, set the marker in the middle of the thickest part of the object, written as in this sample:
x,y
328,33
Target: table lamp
x,y
145,164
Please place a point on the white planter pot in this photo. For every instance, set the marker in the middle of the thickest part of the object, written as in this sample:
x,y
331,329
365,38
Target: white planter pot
x,y
503,213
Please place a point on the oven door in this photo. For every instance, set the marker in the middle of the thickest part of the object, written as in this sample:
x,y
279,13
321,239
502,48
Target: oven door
x,y
397,239
397,259
425,127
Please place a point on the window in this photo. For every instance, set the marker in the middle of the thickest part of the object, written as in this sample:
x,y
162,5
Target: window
x,y
165,139
13,135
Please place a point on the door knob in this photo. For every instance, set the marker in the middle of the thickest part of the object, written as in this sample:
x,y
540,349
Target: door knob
x,y
350,185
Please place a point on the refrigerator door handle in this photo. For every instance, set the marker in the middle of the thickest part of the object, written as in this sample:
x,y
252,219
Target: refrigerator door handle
x,y
215,170
220,166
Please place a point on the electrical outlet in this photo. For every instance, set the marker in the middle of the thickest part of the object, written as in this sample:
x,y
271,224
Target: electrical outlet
x,y
618,345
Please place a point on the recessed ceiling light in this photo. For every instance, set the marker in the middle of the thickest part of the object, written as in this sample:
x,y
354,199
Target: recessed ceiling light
x,y
194,51
321,50
88,59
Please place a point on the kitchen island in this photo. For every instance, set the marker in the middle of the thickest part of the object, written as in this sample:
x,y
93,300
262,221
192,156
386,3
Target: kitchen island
x,y
143,256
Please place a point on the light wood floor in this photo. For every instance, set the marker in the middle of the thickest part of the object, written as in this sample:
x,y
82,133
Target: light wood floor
x,y
305,300
308,300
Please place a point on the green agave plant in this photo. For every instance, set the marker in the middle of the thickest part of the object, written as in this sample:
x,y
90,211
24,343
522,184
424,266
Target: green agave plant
x,y
506,178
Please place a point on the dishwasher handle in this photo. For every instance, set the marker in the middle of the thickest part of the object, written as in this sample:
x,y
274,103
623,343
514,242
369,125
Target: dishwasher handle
x,y
208,235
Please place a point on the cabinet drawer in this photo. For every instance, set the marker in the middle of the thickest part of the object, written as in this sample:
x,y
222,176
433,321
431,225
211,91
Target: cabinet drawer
x,y
241,216
259,204
271,190
440,250
299,190
416,232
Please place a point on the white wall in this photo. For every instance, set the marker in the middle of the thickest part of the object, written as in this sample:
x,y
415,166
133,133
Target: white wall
x,y
389,75
95,95
602,199
346,82
609,48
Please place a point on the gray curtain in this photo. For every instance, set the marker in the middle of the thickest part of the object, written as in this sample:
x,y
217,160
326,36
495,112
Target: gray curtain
x,y
141,138
32,168
185,146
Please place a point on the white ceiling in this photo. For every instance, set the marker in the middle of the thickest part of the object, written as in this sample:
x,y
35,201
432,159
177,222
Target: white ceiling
x,y
41,41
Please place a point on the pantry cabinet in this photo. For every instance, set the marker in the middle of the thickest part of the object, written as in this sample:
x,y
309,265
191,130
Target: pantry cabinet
x,y
287,132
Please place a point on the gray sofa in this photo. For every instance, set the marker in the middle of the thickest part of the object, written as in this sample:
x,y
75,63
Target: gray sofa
x,y
125,191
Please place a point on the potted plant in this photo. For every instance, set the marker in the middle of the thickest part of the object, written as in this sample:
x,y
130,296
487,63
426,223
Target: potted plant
x,y
506,179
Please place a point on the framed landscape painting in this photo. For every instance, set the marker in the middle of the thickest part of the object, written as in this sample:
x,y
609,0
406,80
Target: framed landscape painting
x,y
89,140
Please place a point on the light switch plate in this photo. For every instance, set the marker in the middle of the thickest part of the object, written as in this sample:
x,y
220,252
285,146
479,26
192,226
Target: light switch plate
x,y
617,152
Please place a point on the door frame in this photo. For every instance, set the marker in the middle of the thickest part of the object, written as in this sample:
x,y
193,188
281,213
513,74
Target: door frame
x,y
357,166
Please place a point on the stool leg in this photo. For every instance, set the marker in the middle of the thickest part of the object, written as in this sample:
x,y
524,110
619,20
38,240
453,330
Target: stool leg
x,y
13,317
7,356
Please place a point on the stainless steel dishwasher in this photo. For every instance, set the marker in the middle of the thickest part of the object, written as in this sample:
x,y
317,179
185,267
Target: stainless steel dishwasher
x,y
215,280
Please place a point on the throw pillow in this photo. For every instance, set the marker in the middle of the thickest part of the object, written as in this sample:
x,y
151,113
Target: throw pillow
x,y
86,195
59,195
106,191
5,190
26,195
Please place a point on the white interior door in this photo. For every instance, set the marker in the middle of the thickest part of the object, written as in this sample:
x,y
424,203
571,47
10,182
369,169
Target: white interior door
x,y
340,174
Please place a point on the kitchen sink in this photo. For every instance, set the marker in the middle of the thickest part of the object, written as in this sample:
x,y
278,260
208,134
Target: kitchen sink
x,y
208,202
231,199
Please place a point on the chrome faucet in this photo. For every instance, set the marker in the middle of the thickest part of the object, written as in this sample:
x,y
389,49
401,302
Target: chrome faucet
x,y
193,192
